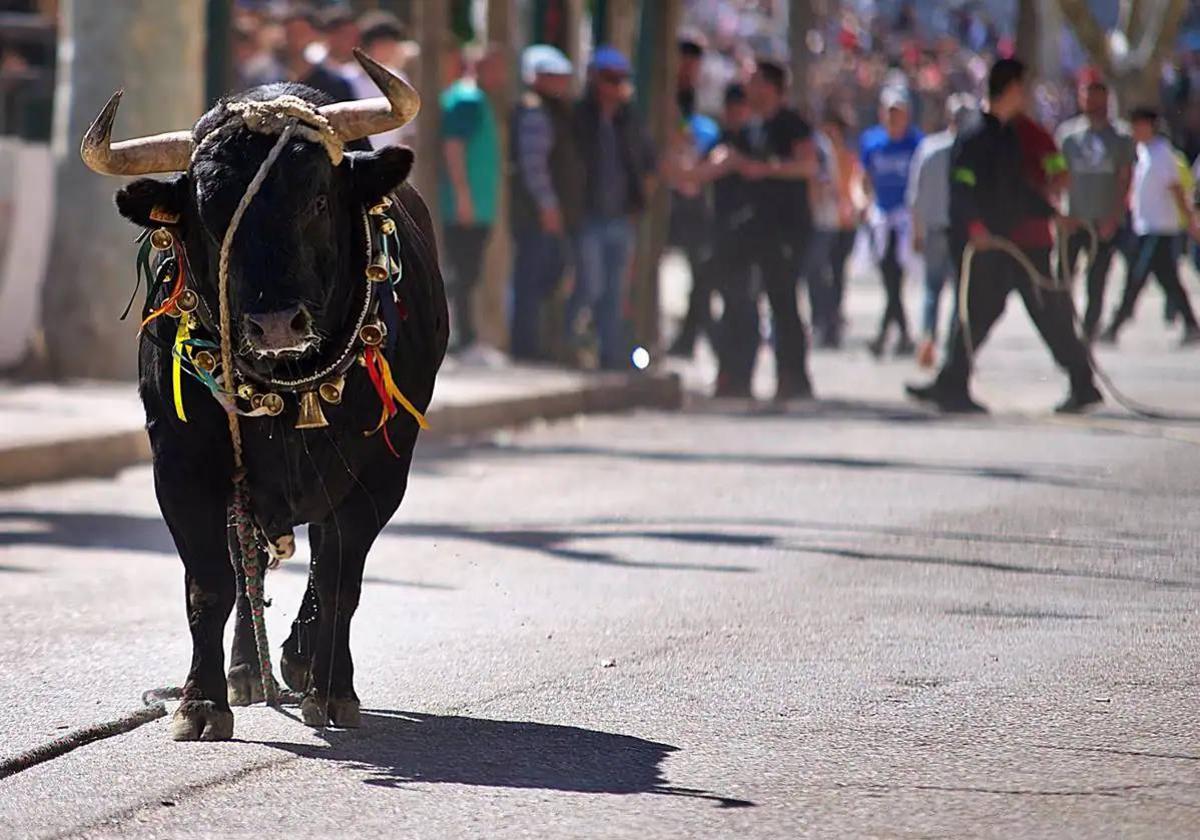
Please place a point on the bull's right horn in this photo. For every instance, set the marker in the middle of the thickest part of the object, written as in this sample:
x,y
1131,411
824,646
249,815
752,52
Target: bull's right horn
x,y
362,118
170,152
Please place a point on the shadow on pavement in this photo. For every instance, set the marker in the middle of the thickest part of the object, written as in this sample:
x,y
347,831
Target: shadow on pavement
x,y
849,462
396,748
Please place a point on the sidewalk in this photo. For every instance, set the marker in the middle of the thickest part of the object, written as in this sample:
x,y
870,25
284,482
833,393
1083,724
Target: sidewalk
x,y
52,432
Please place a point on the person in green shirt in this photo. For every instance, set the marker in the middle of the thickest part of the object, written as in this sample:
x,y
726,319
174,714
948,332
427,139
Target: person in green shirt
x,y
470,181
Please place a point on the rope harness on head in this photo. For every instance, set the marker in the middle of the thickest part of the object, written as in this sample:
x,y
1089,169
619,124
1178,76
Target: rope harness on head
x,y
1042,283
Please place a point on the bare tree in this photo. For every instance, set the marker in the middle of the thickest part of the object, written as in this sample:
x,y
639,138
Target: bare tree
x,y
155,51
1131,55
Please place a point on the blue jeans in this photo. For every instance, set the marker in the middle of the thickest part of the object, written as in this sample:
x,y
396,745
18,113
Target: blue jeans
x,y
939,264
602,250
537,270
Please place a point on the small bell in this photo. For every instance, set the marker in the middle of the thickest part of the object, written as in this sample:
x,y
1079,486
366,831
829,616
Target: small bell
x,y
161,239
377,271
371,335
246,392
311,416
206,361
331,391
188,301
273,403
382,207
388,227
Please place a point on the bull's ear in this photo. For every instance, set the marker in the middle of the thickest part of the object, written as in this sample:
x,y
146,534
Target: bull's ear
x,y
378,173
152,203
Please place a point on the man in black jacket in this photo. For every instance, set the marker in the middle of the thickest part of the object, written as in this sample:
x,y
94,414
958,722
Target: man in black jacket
x,y
992,198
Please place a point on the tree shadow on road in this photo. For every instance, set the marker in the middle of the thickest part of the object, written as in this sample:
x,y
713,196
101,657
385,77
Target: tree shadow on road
x,y
398,748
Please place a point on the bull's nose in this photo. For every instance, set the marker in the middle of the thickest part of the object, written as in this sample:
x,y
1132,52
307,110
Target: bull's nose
x,y
282,331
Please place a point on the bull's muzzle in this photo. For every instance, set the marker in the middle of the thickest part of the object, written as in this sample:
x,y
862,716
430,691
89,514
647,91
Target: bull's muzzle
x,y
282,334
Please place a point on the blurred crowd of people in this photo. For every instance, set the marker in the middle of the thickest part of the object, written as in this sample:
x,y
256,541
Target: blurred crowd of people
x,y
767,197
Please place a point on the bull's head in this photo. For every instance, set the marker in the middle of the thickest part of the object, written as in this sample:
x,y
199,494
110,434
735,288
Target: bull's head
x,y
302,235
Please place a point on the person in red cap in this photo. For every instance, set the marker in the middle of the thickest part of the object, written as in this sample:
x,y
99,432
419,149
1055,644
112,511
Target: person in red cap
x,y
1099,157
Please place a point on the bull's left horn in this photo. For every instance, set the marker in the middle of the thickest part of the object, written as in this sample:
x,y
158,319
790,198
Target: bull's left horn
x,y
397,107
170,152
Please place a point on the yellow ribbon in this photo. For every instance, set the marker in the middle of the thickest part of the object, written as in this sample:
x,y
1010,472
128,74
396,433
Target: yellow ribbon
x,y
394,391
182,334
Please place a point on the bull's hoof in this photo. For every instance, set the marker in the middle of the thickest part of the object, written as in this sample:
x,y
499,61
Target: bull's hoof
x,y
342,712
201,720
245,686
297,673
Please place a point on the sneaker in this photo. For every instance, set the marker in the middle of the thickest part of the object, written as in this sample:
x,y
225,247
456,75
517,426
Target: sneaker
x,y
927,354
1079,401
946,400
904,348
1191,337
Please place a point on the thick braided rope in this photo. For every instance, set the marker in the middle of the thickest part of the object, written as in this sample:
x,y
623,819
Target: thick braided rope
x,y
251,559
274,115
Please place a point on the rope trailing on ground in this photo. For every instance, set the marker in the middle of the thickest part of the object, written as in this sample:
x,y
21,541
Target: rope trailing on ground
x,y
1043,283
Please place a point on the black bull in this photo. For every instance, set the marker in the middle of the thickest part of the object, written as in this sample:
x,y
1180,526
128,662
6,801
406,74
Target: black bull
x,y
301,244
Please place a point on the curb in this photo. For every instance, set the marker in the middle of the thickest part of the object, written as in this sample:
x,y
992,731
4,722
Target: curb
x,y
103,456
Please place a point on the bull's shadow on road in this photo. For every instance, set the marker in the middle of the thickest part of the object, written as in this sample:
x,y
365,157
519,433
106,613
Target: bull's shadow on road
x,y
394,749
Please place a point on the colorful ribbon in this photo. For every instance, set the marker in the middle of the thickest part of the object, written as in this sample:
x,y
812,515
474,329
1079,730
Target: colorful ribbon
x,y
380,373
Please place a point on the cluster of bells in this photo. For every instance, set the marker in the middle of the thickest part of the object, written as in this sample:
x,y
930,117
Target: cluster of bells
x,y
371,334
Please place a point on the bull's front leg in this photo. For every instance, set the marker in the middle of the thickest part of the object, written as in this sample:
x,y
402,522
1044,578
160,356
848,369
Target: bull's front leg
x,y
340,544
196,514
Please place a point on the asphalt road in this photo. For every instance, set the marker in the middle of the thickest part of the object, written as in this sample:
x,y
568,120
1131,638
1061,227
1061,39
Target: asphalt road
x,y
852,619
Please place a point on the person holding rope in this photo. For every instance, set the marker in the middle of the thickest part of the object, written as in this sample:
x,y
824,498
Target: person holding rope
x,y
997,212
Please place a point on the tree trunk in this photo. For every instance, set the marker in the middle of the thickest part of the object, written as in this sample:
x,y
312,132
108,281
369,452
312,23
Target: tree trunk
x,y
491,300
155,51
432,27
1154,26
622,24
1028,40
802,19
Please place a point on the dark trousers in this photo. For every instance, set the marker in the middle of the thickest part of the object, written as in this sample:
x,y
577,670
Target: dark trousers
x,y
462,249
993,276
690,231
1155,255
1097,274
776,262
538,265
893,281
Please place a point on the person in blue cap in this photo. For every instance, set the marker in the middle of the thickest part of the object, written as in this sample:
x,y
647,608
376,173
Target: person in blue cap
x,y
618,164
545,191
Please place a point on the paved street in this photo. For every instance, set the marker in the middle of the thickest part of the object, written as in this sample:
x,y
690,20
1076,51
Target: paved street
x,y
852,619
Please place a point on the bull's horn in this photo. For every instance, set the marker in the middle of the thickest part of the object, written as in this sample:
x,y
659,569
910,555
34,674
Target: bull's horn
x,y
397,107
171,152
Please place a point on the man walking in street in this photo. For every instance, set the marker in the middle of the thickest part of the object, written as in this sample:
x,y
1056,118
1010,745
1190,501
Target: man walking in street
x,y
618,164
887,153
1099,159
546,196
992,200
1162,210
929,203
470,182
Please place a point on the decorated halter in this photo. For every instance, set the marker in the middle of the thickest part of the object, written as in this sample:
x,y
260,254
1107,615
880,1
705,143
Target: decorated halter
x,y
241,390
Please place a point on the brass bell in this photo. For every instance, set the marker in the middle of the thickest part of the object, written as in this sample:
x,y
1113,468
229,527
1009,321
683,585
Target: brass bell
x,y
256,401
382,207
377,272
388,226
273,403
188,301
205,360
371,335
331,391
246,392
311,416
161,239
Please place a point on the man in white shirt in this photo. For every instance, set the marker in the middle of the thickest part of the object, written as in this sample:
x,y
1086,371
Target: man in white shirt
x,y
1161,212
